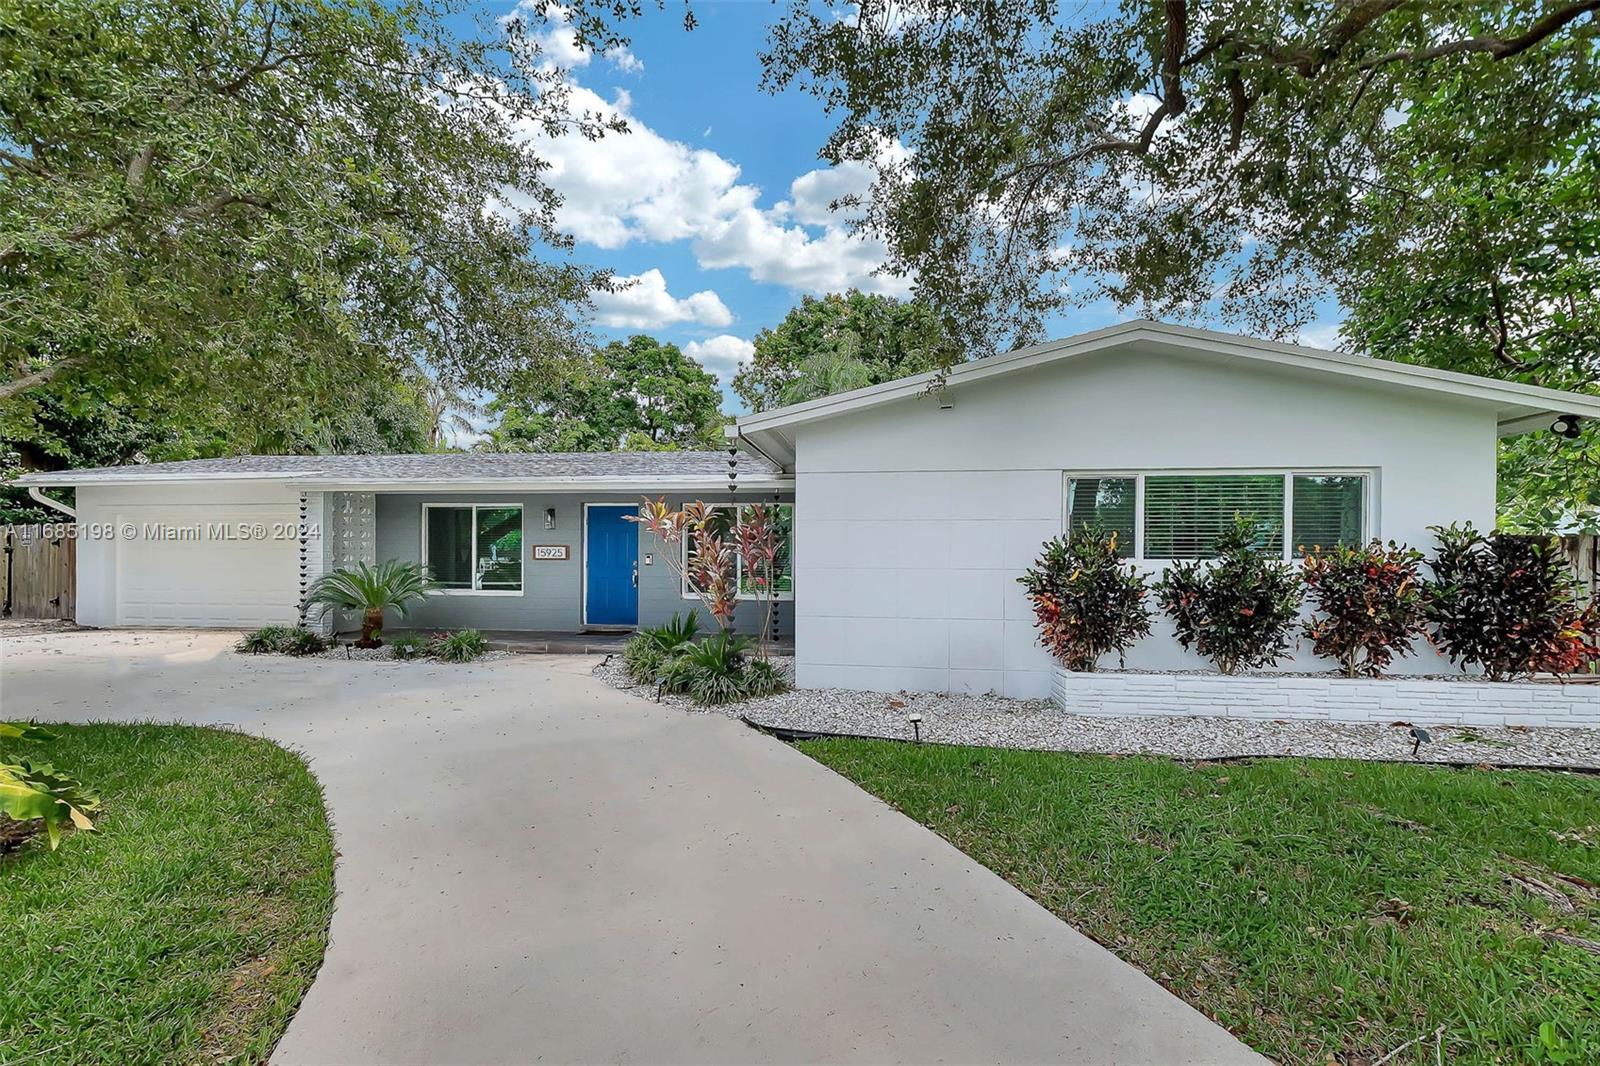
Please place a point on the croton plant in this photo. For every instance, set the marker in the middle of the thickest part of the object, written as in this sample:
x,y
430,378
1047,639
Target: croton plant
x,y
1085,601
1369,601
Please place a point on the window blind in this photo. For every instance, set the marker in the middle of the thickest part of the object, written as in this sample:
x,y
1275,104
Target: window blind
x,y
1327,510
450,546
1184,514
1106,503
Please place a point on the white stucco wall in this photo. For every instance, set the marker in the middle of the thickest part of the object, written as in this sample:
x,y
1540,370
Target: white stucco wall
x,y
913,523
104,511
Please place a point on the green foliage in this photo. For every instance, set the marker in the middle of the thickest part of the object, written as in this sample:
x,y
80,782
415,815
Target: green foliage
x,y
35,793
1085,603
680,629
1192,157
408,646
265,210
647,651
719,670
265,639
1369,604
462,646
638,395
839,342
1505,604
1322,910
1238,610
301,641
390,585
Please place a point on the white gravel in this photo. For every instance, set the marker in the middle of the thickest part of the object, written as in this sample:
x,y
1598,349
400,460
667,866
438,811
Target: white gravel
x,y
995,721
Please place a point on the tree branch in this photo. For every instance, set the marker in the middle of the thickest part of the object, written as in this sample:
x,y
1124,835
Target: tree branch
x,y
1496,47
29,380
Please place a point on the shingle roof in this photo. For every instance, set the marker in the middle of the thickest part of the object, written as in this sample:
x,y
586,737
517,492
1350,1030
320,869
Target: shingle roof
x,y
450,466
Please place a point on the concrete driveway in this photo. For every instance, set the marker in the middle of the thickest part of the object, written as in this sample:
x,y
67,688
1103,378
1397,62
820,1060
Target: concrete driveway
x,y
537,868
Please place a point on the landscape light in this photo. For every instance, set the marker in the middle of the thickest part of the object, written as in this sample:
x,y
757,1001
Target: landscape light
x,y
1565,426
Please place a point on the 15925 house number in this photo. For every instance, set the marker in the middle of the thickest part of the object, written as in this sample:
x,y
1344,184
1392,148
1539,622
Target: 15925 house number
x,y
550,551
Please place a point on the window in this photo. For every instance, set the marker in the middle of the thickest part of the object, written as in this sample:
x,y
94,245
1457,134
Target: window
x,y
474,548
1185,513
1106,503
723,524
1180,515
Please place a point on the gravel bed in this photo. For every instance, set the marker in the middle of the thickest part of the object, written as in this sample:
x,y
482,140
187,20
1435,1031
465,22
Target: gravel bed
x,y
995,721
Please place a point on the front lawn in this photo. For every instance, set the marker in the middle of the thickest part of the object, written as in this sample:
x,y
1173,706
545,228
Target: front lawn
x,y
1325,911
190,925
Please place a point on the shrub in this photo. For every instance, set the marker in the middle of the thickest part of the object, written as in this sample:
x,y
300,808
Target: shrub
x,y
462,646
284,640
409,646
265,639
1505,604
1085,602
302,641
1370,602
35,795
717,670
1237,610
372,590
642,658
680,630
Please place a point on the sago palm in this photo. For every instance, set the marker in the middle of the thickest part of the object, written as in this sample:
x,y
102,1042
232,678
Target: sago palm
x,y
372,590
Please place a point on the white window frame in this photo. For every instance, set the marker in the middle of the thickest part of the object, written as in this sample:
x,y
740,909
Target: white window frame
x,y
683,555
476,573
1368,476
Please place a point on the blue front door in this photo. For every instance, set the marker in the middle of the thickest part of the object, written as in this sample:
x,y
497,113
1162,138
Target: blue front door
x,y
612,595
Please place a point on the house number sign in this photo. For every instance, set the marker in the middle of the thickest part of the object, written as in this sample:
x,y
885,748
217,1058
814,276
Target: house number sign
x,y
551,551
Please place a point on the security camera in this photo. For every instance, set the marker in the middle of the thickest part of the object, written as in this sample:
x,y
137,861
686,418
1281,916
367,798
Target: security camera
x,y
1565,426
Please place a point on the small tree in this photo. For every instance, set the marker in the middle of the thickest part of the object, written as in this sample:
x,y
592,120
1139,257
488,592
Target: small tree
x,y
1370,602
1239,609
1085,602
760,544
709,566
372,590
1505,603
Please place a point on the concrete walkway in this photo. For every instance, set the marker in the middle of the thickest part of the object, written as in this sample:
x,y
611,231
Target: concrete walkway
x,y
536,868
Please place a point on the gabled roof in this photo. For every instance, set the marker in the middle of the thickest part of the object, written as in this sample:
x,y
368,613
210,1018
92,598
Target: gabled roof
x,y
1519,408
702,469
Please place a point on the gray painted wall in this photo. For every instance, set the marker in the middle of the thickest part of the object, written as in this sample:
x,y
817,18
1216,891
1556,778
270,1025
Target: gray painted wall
x,y
552,590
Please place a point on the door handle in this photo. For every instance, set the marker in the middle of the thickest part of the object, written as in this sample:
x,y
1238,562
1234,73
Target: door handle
x,y
636,573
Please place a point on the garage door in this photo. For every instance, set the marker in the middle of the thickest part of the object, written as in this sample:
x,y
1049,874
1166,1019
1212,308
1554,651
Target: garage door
x,y
207,566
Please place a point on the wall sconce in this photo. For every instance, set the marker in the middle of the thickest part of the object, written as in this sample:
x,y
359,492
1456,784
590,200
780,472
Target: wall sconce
x,y
549,518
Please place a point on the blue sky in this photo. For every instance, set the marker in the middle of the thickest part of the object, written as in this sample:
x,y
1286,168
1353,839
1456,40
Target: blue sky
x,y
715,203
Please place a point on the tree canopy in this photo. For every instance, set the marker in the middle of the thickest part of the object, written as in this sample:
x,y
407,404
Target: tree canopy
x,y
279,208
637,395
843,341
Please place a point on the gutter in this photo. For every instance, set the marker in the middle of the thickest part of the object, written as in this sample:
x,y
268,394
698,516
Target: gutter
x,y
36,494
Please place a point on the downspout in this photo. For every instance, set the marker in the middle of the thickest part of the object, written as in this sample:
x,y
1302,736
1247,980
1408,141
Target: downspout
x,y
37,495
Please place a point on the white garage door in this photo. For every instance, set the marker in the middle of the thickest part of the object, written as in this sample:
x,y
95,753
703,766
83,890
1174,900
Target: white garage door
x,y
195,565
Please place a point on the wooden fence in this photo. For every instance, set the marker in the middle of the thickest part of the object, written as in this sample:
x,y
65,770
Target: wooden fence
x,y
38,575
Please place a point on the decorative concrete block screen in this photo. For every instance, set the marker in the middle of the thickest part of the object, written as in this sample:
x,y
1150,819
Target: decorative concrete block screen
x,y
1327,699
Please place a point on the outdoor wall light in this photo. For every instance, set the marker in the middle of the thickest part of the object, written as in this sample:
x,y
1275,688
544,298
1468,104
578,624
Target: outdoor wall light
x,y
1566,426
549,518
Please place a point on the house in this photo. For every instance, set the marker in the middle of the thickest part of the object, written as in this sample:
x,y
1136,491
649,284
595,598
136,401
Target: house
x,y
914,507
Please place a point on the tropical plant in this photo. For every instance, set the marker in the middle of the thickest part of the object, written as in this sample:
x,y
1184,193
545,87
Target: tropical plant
x,y
391,584
648,650
712,671
408,646
265,639
709,563
761,543
298,640
1237,609
763,678
1370,601
1085,602
34,794
462,646
1505,604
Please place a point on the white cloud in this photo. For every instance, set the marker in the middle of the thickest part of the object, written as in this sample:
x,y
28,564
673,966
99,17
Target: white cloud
x,y
1324,335
625,60
643,302
559,43
641,186
722,355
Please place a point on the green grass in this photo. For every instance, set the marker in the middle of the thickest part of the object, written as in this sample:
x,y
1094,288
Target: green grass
x,y
1321,910
188,927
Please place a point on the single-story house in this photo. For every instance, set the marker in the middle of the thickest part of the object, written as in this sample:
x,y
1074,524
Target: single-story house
x,y
914,504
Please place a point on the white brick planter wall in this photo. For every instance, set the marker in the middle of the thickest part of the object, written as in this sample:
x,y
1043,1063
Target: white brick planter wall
x,y
1327,699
